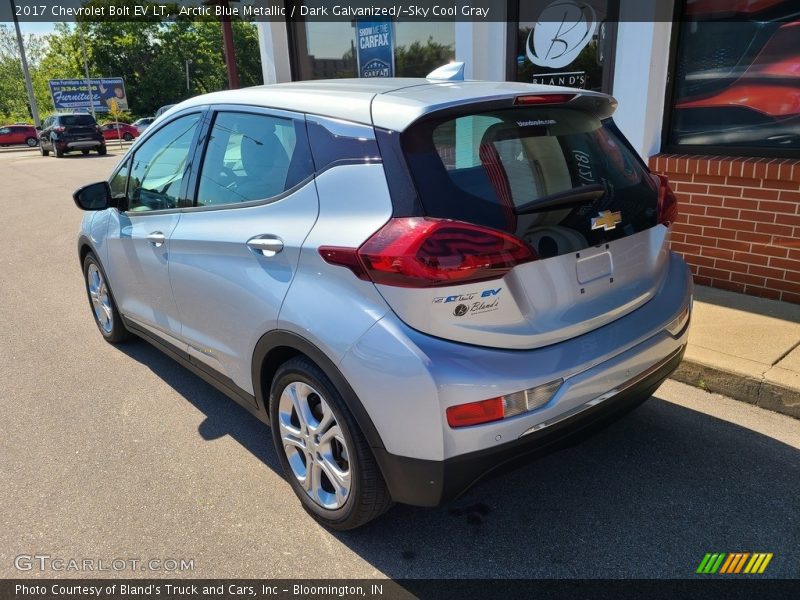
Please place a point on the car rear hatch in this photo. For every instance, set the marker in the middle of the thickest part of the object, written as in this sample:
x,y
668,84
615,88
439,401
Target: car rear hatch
x,y
79,126
535,223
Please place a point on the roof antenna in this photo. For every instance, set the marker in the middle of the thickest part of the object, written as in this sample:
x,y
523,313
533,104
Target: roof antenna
x,y
453,71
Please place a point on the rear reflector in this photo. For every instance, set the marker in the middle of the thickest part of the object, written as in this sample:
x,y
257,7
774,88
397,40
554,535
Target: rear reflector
x,y
543,99
420,252
495,409
475,413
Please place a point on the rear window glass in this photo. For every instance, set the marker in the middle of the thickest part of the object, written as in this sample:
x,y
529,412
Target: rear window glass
x,y
77,120
494,168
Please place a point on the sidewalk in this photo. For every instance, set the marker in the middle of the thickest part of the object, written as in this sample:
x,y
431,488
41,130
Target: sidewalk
x,y
745,347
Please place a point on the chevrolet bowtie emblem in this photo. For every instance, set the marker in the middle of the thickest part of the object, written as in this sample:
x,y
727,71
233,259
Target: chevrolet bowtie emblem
x,y
606,220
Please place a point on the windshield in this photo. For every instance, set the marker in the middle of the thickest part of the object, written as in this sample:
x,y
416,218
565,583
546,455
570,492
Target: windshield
x,y
491,168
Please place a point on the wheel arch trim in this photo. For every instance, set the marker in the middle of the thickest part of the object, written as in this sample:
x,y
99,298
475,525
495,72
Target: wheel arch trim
x,y
287,344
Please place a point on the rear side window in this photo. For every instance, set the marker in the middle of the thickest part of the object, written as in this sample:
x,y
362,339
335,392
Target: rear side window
x,y
252,157
516,170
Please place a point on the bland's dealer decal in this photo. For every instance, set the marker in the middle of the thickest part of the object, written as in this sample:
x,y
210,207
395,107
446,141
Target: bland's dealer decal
x,y
472,303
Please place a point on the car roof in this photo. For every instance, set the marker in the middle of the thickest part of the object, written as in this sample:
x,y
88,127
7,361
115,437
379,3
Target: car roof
x,y
392,102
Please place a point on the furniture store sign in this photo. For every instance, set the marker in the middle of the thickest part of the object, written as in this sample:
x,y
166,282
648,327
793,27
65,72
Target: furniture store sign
x,y
375,48
102,94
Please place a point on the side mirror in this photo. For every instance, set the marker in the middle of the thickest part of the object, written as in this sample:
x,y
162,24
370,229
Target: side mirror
x,y
95,196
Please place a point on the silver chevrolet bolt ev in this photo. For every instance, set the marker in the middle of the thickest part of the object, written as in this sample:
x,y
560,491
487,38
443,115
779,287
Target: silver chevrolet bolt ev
x,y
412,281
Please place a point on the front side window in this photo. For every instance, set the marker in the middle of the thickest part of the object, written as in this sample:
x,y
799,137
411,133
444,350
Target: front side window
x,y
252,157
160,165
119,181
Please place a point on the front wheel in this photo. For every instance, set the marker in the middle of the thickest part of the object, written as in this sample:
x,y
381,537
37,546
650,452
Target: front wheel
x,y
31,141
43,151
324,455
106,316
102,150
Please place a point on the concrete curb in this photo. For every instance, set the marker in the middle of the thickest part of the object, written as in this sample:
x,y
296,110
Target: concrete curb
x,y
759,392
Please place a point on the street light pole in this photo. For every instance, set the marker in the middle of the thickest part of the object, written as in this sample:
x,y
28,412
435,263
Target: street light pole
x,y
188,87
25,72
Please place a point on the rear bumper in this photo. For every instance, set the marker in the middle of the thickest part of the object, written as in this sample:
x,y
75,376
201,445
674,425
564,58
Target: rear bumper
x,y
431,483
406,380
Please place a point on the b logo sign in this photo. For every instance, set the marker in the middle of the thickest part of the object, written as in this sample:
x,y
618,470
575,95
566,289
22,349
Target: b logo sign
x,y
564,29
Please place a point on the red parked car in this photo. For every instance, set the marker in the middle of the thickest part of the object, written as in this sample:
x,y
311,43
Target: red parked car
x,y
125,131
11,135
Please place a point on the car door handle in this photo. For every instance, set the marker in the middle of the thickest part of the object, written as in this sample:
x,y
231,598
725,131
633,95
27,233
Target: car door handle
x,y
265,245
156,238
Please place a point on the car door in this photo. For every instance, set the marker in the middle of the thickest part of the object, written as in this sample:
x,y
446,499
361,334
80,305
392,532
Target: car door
x,y
138,234
234,254
17,135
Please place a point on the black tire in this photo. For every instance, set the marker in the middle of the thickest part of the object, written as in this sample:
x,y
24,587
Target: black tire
x,y
59,152
43,151
127,137
32,142
368,497
102,151
84,152
117,333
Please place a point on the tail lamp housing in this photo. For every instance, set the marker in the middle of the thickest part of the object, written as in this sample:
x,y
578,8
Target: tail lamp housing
x,y
420,252
502,407
667,202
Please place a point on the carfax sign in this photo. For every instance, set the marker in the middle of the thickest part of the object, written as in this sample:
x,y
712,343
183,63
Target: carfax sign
x,y
375,48
104,94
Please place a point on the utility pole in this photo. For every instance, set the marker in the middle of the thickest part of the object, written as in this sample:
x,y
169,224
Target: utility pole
x,y
88,79
188,87
227,42
25,72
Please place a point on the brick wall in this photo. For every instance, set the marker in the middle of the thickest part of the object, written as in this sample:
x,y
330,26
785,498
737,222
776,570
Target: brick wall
x,y
739,224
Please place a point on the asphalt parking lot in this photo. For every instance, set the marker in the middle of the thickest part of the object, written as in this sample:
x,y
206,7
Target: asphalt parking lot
x,y
117,452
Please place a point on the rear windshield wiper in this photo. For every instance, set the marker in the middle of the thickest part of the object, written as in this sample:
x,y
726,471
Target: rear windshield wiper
x,y
578,195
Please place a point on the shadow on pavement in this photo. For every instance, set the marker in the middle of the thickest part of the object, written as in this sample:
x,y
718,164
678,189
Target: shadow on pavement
x,y
646,497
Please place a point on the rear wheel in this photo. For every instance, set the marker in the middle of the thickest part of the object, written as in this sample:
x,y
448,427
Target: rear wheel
x,y
43,151
59,152
127,137
324,455
102,150
84,152
31,141
106,316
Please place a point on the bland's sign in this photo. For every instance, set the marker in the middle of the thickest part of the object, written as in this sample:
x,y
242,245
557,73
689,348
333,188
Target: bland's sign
x,y
103,94
375,48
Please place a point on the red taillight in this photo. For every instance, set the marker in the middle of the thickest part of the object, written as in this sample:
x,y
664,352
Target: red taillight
x,y
423,252
544,99
59,129
667,203
475,413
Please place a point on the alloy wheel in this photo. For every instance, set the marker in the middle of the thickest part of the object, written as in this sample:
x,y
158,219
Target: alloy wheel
x,y
101,300
314,445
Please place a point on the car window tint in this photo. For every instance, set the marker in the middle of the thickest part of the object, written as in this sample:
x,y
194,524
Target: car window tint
x,y
160,164
252,157
119,181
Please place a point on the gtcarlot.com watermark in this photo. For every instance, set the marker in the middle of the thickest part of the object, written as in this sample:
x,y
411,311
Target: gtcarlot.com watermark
x,y
59,564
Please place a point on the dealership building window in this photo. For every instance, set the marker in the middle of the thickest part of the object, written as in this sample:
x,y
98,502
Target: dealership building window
x,y
324,50
564,43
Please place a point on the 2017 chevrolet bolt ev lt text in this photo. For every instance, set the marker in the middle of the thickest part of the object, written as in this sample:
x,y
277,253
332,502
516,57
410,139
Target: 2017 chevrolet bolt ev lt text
x,y
411,281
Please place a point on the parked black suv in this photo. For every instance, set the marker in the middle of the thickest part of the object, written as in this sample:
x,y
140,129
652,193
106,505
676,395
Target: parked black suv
x,y
63,133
